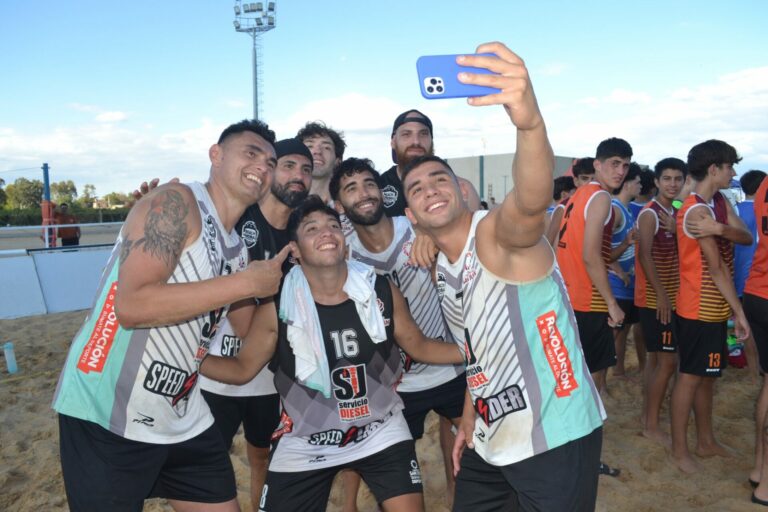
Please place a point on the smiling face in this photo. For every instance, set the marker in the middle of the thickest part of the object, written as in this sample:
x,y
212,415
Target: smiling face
x,y
244,164
411,140
324,157
361,198
433,195
319,241
292,179
670,183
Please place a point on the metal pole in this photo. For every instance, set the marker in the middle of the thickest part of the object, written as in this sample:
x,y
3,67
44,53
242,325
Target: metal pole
x,y
482,176
255,81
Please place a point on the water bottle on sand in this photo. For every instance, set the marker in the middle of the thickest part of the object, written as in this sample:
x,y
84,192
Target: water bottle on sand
x,y
10,357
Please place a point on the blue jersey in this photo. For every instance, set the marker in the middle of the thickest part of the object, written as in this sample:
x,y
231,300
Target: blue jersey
x,y
627,258
743,254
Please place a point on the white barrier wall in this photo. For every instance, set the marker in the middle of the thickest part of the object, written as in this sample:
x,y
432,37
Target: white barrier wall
x,y
50,282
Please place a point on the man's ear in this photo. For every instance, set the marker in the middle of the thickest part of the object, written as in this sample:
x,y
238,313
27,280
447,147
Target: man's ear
x,y
409,214
215,154
295,252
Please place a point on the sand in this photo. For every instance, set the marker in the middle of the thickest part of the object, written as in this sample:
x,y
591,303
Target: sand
x,y
30,474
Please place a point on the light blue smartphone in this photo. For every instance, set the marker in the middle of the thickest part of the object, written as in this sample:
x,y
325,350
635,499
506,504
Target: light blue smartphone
x,y
438,78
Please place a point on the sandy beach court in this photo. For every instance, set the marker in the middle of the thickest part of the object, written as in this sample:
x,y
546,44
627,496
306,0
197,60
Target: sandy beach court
x,y
30,475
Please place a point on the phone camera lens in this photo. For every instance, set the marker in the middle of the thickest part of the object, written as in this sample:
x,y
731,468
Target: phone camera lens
x,y
433,81
439,88
430,89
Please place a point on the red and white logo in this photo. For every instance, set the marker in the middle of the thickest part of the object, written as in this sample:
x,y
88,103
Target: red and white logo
x,y
557,354
97,348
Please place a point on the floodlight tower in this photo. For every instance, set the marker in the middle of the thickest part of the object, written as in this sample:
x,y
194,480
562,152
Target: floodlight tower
x,y
253,19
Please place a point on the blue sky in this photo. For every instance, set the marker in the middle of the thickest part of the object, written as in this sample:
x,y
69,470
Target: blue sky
x,y
111,93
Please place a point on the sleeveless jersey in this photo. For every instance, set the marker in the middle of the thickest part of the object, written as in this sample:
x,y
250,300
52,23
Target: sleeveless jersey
x,y
141,383
263,242
664,256
627,258
363,415
570,247
757,282
526,372
743,254
698,298
421,295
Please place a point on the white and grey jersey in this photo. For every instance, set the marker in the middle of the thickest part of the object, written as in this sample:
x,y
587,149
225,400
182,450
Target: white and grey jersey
x,y
141,384
420,293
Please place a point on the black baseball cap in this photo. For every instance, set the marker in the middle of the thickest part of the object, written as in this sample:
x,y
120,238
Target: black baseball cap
x,y
411,116
287,147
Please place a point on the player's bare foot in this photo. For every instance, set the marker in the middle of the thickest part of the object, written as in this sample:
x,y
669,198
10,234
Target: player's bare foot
x,y
686,464
714,450
659,436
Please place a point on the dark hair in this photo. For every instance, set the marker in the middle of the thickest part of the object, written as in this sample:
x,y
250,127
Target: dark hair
x,y
646,182
349,167
310,205
711,152
613,147
484,205
670,163
751,181
319,129
562,184
633,172
583,166
423,159
249,125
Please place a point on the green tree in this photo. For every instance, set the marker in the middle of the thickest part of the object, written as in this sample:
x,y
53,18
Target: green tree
x,y
24,193
117,199
3,195
63,192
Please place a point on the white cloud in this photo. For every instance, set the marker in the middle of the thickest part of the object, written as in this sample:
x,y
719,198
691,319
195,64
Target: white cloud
x,y
111,117
118,156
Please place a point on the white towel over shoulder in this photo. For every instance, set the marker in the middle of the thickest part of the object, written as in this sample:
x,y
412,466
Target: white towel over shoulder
x,y
298,311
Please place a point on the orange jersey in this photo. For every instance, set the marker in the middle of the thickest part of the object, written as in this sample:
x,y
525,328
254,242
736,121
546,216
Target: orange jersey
x,y
698,297
664,256
570,249
757,282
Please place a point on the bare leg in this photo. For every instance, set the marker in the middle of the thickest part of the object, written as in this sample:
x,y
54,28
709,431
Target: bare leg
x,y
762,489
257,459
660,373
620,340
682,403
639,339
706,444
599,378
648,371
413,502
351,481
192,506
446,445
760,413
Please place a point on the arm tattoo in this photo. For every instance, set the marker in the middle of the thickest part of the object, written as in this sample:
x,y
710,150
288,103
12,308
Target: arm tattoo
x,y
164,230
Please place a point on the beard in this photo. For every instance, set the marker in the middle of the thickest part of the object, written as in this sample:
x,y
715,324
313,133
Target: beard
x,y
403,158
365,219
290,198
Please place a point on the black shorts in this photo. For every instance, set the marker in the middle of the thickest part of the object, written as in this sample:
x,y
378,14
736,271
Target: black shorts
x,y
258,414
103,471
756,310
702,346
630,311
658,337
392,472
447,400
596,340
564,478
